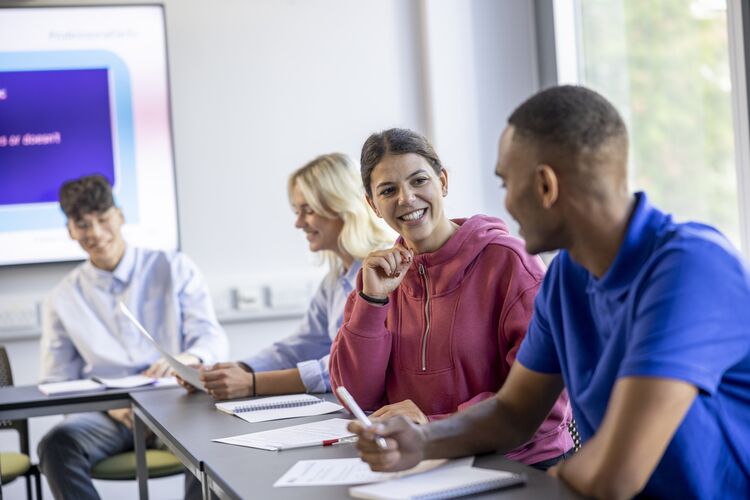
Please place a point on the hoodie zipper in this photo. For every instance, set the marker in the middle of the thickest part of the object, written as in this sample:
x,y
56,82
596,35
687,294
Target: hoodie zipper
x,y
426,284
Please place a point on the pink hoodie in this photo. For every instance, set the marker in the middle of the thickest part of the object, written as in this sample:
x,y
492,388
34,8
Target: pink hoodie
x,y
450,332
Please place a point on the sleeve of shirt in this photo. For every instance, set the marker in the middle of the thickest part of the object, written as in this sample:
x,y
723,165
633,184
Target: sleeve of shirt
x,y
202,335
307,349
59,357
315,375
690,321
362,350
537,351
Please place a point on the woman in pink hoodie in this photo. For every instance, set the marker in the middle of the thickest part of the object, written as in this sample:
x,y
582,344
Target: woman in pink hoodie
x,y
437,319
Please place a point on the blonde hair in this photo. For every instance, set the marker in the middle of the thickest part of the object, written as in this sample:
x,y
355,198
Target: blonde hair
x,y
332,188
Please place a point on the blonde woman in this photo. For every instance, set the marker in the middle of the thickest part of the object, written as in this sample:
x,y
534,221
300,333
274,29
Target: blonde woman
x,y
329,204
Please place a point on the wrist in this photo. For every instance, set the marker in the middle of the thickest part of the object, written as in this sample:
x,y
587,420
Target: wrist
x,y
428,445
373,299
252,387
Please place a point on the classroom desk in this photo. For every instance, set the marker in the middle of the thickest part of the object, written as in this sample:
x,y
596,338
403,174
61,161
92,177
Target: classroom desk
x,y
188,423
26,401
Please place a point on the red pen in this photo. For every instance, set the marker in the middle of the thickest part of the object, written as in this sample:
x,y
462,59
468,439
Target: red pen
x,y
327,442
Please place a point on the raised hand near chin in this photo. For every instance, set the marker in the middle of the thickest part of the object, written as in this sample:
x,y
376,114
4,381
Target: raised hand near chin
x,y
383,271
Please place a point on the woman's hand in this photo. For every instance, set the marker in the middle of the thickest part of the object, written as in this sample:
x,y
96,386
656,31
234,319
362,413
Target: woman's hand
x,y
383,271
227,381
406,408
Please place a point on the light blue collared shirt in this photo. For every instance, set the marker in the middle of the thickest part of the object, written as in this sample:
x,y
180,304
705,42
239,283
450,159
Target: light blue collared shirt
x,y
85,334
310,347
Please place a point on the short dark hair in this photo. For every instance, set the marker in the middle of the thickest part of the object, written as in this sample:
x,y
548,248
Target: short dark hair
x,y
574,119
394,141
87,194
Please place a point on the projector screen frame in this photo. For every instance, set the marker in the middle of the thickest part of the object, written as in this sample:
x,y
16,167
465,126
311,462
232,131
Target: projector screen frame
x,y
4,6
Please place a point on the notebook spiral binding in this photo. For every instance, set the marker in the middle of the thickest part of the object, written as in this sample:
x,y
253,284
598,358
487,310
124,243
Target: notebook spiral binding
x,y
479,487
275,406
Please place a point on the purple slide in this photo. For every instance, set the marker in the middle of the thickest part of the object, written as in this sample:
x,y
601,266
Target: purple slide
x,y
55,125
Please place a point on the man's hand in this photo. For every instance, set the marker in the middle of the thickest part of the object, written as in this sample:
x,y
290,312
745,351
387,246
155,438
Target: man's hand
x,y
406,408
227,381
122,415
161,367
406,444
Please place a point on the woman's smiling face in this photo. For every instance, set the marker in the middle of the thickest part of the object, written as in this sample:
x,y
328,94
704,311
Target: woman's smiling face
x,y
408,195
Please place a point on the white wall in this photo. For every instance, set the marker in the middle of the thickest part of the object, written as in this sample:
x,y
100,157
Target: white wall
x,y
261,86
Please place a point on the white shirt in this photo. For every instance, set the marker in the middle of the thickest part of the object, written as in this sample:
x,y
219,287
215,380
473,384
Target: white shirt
x,y
85,334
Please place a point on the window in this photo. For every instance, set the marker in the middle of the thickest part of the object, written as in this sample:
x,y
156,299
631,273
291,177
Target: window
x,y
665,65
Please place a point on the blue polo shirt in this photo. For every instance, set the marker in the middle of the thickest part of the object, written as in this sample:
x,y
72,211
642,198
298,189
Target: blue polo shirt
x,y
674,304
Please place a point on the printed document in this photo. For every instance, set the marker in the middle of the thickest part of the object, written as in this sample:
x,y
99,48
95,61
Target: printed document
x,y
297,436
343,471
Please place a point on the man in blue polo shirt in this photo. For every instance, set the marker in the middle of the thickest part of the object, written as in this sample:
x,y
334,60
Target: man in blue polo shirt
x,y
645,321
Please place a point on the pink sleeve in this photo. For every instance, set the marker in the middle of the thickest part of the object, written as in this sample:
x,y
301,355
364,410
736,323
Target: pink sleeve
x,y
361,352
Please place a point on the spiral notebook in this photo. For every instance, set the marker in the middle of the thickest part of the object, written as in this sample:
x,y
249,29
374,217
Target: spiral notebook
x,y
278,407
440,483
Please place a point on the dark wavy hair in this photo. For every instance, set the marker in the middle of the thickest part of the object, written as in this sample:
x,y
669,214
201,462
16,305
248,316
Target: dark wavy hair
x,y
85,195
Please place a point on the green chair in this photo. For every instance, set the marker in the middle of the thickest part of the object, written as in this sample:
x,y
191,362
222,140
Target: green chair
x,y
122,467
12,464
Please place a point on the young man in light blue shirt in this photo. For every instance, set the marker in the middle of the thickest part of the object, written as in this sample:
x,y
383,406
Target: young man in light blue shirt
x,y
85,334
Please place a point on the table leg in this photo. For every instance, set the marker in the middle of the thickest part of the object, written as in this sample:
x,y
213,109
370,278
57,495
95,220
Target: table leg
x,y
139,441
204,485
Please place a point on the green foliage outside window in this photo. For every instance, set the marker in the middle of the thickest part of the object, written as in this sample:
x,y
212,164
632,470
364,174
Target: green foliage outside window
x,y
665,64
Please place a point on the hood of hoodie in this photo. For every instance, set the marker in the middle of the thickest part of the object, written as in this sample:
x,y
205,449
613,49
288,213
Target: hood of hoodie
x,y
447,267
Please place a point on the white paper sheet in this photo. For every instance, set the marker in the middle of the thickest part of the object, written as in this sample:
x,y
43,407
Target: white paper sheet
x,y
188,374
343,471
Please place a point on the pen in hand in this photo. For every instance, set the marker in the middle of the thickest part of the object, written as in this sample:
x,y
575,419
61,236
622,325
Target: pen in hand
x,y
357,411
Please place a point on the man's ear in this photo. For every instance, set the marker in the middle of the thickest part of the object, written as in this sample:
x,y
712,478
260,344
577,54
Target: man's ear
x,y
69,226
546,185
372,205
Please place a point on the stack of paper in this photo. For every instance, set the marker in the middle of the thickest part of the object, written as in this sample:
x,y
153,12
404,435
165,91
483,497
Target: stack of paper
x,y
70,386
440,484
321,433
430,479
125,382
101,383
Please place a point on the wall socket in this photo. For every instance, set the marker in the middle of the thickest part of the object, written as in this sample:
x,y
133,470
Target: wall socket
x,y
249,298
289,295
19,313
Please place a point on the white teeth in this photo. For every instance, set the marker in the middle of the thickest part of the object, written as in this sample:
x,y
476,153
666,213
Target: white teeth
x,y
414,215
